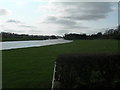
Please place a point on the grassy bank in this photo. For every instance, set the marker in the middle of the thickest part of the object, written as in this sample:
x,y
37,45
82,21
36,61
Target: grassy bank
x,y
33,67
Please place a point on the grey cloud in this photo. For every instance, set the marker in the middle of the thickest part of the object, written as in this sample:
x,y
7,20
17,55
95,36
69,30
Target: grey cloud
x,y
87,17
27,26
3,11
86,10
19,23
73,12
71,15
78,26
66,23
62,21
51,18
13,21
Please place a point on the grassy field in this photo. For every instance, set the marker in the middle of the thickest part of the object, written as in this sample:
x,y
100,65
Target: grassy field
x,y
33,67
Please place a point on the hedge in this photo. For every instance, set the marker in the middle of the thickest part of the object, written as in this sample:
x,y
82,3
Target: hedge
x,y
88,70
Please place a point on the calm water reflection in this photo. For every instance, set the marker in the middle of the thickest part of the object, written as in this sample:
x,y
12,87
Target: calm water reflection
x,y
33,43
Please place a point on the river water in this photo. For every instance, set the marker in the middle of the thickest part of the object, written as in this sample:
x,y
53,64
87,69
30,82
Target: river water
x,y
33,43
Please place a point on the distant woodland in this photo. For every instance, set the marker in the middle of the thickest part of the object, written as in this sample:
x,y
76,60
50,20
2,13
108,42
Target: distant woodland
x,y
7,36
108,34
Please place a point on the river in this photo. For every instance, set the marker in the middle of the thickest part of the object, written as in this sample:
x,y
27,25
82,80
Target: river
x,y
33,43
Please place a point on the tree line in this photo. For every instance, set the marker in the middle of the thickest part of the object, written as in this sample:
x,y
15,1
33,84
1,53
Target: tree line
x,y
108,34
7,36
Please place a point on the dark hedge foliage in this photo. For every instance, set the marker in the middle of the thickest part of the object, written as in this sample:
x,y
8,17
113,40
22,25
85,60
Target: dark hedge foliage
x,y
88,70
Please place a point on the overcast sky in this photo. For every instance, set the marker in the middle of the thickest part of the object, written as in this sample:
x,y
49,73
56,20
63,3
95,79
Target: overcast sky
x,y
58,18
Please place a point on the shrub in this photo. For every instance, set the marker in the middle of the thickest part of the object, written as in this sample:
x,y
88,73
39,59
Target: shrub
x,y
88,70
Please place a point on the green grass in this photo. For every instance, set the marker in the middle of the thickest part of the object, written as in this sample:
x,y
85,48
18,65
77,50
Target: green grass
x,y
33,67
